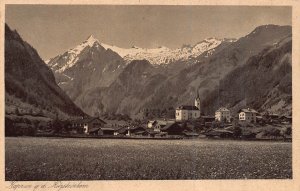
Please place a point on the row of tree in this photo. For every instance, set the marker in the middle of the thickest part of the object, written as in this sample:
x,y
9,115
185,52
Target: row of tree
x,y
24,126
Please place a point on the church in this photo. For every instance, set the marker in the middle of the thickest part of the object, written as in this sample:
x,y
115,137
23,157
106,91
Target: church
x,y
188,112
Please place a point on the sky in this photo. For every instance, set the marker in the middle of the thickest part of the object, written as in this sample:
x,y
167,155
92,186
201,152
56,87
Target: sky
x,y
53,29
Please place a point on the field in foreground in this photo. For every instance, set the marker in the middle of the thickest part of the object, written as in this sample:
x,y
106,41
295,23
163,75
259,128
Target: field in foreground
x,y
28,158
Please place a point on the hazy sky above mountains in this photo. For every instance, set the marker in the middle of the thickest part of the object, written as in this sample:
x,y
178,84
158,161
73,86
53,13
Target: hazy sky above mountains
x,y
53,29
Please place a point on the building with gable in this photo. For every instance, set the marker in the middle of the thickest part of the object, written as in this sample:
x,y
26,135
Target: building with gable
x,y
89,125
189,112
248,115
222,115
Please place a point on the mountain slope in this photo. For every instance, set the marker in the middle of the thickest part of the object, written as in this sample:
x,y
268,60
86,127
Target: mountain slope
x,y
206,74
264,82
85,67
30,84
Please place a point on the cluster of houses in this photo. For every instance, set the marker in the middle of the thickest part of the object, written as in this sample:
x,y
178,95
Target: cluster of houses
x,y
155,128
193,112
172,127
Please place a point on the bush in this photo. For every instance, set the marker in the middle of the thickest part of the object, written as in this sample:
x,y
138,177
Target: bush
x,y
273,132
237,131
288,131
10,129
17,112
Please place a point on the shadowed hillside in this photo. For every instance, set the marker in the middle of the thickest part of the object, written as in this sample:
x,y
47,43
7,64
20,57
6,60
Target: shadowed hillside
x,y
30,86
264,82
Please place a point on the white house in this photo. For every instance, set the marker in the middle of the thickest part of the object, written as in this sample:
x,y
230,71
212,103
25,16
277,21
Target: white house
x,y
222,114
248,115
188,112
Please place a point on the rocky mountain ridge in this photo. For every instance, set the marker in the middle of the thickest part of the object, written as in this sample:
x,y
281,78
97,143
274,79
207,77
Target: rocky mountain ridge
x,y
131,87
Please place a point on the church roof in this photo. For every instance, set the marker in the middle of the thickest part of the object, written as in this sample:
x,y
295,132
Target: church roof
x,y
187,107
198,97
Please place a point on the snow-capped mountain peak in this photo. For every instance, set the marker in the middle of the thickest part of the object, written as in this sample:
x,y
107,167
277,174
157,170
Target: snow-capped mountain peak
x,y
71,56
157,56
164,55
91,38
90,41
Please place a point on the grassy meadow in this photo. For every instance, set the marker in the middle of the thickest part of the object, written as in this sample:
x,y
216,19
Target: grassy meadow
x,y
28,158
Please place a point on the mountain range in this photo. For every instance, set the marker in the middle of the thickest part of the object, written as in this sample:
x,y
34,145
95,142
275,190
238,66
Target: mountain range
x,y
159,55
96,78
101,78
93,68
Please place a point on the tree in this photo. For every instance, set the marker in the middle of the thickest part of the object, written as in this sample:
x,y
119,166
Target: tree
x,y
67,125
31,131
274,132
10,129
96,114
40,113
36,124
57,126
17,112
237,131
288,131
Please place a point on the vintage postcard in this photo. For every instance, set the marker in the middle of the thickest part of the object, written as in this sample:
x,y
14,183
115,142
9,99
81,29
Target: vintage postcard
x,y
136,95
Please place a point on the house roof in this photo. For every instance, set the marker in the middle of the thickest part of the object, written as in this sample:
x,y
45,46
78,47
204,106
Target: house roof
x,y
187,107
187,133
136,128
223,130
218,132
107,129
208,117
248,110
222,109
152,132
95,129
122,130
161,121
88,119
274,114
287,117
168,126
140,132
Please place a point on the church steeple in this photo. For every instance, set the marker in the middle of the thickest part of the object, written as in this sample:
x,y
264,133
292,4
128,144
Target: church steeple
x,y
197,101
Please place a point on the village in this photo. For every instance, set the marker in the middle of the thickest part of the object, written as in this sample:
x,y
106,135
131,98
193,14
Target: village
x,y
188,123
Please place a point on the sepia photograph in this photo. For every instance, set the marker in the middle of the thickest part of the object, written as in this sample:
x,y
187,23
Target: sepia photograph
x,y
147,92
